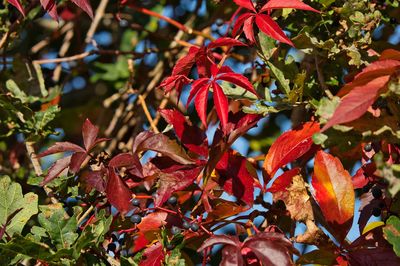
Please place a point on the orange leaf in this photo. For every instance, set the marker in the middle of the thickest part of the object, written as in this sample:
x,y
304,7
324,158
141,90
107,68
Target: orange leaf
x,y
333,190
290,146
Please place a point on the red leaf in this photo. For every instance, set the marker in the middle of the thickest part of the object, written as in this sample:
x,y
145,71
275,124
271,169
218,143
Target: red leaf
x,y
76,161
231,256
185,64
191,136
283,181
153,221
271,248
196,87
85,6
239,23
220,239
89,134
279,4
148,140
200,103
290,146
225,41
56,169
235,178
176,82
154,255
369,73
140,242
248,29
334,193
221,103
94,179
130,161
271,28
118,193
18,5
357,102
390,54
50,7
239,80
171,182
61,147
246,4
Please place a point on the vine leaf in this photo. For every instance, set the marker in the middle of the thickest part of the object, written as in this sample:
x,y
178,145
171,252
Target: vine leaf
x,y
334,193
357,101
118,193
264,22
18,5
78,154
85,6
290,146
270,248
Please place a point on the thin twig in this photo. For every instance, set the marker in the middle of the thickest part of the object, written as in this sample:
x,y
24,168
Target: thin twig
x,y
147,113
37,168
95,23
87,212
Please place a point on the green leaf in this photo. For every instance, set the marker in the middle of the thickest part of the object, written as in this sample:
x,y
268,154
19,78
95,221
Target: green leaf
x,y
24,246
93,234
174,259
268,45
280,77
392,233
42,118
237,92
16,91
12,199
58,225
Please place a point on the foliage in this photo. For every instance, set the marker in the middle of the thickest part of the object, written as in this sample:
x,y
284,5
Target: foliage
x,y
113,153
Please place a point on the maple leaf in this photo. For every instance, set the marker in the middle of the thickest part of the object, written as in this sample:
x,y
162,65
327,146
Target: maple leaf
x,y
270,248
78,154
334,193
202,86
264,22
290,146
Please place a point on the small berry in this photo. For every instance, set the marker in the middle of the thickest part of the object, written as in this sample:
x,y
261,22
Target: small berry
x,y
365,188
219,22
175,230
136,202
376,192
248,71
194,227
172,200
114,236
368,147
136,219
186,224
170,246
376,212
112,247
